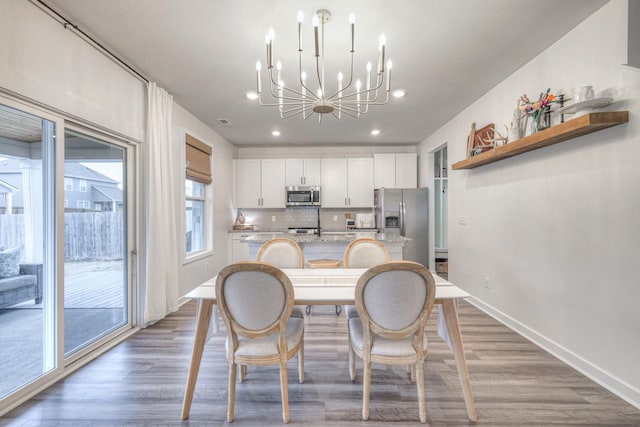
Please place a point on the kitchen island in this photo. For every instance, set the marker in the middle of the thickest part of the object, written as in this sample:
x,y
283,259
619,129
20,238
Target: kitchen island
x,y
329,245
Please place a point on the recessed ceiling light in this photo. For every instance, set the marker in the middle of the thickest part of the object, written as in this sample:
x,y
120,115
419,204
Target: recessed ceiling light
x,y
375,132
252,95
275,133
399,93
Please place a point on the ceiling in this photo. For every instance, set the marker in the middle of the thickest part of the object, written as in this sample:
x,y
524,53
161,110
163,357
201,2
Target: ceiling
x,y
446,54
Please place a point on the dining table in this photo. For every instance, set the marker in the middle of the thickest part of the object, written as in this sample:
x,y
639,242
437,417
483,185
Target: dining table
x,y
335,286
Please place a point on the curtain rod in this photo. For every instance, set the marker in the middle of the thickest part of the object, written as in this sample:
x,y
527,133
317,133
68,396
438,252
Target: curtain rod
x,y
66,23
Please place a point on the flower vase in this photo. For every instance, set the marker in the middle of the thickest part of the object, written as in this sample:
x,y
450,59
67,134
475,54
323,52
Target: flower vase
x,y
535,124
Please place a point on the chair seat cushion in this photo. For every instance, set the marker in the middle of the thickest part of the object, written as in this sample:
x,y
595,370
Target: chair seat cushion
x,y
269,345
381,346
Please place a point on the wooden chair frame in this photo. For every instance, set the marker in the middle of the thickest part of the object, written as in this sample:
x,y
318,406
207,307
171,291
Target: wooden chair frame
x,y
415,330
280,327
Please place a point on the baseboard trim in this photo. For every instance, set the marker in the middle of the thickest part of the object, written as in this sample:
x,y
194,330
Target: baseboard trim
x,y
615,385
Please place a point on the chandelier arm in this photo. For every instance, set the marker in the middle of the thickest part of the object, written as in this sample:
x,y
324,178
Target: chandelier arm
x,y
333,96
273,83
300,77
350,112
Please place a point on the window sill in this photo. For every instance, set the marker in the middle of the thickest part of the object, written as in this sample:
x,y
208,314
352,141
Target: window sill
x,y
197,256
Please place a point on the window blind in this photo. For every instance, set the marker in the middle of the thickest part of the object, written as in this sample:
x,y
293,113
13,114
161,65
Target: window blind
x,y
198,158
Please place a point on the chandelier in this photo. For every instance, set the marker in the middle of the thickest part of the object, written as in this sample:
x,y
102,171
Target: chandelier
x,y
352,99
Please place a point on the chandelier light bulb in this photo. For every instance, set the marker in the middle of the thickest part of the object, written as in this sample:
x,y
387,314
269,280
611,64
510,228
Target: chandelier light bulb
x,y
303,76
258,66
368,67
267,40
320,93
383,41
352,18
389,65
279,65
315,21
271,34
358,84
340,76
300,16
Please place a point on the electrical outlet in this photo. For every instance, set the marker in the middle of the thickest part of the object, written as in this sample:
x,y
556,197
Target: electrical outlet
x,y
335,217
273,218
463,220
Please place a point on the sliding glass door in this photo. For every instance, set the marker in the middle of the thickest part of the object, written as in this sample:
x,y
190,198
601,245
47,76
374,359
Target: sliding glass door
x,y
95,241
65,221
27,256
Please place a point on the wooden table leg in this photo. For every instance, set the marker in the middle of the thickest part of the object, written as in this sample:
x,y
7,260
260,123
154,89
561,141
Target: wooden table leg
x,y
453,327
202,327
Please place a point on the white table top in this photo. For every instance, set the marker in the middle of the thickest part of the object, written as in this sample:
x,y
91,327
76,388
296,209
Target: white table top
x,y
328,286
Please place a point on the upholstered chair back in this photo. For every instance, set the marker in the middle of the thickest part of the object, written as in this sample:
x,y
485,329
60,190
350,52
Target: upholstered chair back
x,y
281,252
365,253
254,297
395,298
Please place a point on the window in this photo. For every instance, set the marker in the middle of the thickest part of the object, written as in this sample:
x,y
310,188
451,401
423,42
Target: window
x,y
83,204
66,204
68,184
82,184
198,177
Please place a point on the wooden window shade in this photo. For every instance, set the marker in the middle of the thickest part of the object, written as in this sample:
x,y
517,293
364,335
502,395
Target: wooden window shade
x,y
198,160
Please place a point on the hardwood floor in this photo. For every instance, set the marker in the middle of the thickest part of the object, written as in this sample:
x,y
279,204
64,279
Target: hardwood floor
x,y
141,382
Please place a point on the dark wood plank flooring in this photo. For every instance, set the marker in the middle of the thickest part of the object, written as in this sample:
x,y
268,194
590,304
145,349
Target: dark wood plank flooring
x,y
141,382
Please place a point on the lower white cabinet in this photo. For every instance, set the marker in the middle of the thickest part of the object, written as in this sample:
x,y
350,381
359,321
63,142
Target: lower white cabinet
x,y
239,249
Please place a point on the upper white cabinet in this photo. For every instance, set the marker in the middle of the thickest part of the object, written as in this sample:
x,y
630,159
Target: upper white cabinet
x,y
260,183
302,171
396,170
347,183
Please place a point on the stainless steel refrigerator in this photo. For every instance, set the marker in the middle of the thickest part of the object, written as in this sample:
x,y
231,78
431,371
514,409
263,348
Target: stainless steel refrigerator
x,y
405,212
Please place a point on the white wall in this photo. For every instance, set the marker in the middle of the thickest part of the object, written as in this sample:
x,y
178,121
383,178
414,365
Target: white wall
x,y
41,60
193,273
552,240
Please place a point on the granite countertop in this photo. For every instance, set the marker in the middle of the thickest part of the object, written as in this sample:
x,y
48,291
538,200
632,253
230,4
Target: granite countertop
x,y
329,237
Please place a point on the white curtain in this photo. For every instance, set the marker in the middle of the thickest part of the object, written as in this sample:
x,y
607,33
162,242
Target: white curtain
x,y
161,290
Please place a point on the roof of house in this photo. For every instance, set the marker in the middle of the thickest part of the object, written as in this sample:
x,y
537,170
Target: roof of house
x,y
5,187
71,170
113,193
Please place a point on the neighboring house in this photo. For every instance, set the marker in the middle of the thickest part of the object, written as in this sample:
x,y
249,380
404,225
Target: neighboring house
x,y
6,197
84,188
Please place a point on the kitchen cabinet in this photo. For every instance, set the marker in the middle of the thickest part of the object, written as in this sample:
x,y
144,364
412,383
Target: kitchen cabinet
x,y
347,183
239,249
302,172
260,183
395,170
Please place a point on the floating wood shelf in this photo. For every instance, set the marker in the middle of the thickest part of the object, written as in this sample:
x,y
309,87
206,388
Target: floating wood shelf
x,y
573,128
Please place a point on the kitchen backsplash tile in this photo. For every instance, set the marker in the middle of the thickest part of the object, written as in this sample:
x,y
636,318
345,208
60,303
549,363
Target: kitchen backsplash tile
x,y
298,217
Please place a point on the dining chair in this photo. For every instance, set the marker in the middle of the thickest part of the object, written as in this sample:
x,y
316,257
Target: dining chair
x,y
394,301
364,252
256,301
283,253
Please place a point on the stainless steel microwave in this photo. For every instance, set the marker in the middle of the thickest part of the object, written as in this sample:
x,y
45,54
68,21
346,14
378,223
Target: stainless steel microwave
x,y
303,196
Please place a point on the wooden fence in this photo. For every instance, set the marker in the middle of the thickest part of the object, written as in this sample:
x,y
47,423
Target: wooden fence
x,y
87,235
